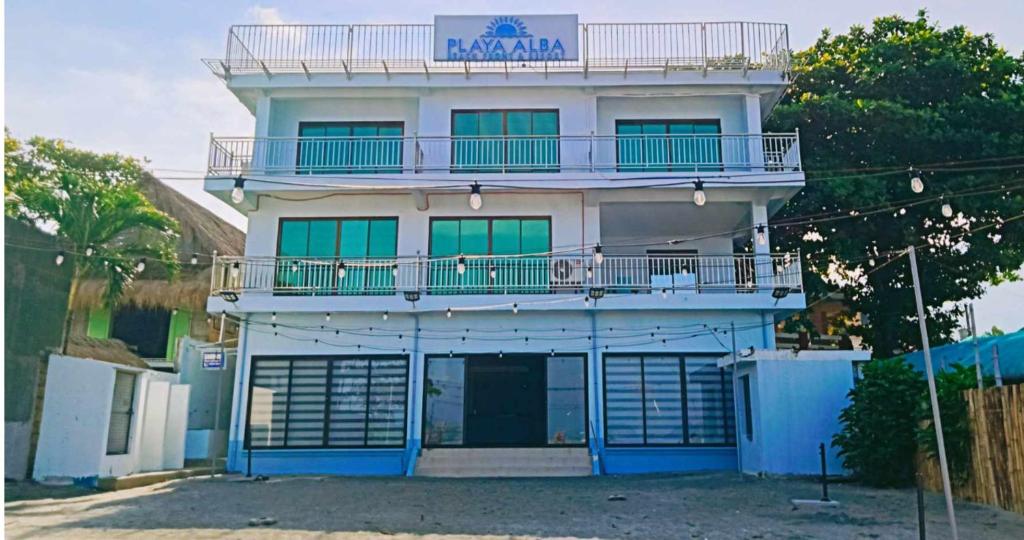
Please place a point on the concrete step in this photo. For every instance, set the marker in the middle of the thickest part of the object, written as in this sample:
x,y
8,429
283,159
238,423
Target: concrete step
x,y
504,462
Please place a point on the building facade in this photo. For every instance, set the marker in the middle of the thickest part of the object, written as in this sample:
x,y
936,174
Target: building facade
x,y
501,245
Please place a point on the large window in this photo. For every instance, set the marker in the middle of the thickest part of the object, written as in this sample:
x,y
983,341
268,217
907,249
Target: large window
x,y
514,237
667,400
668,145
505,141
367,247
318,402
350,147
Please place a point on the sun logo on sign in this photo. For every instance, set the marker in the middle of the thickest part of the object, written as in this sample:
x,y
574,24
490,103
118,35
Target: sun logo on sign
x,y
506,27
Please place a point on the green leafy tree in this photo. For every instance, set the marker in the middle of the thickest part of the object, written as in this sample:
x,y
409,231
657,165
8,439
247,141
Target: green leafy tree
x,y
898,94
93,202
950,385
877,442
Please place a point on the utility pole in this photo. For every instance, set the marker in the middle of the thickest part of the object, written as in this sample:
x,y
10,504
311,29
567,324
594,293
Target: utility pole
x,y
974,338
936,417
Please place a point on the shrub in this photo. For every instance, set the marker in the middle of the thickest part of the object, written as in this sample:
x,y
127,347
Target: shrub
x,y
877,442
956,424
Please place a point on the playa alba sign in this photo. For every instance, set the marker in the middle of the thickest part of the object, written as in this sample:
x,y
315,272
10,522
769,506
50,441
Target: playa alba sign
x,y
506,38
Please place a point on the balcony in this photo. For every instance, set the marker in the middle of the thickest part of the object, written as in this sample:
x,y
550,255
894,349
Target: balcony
x,y
707,153
407,48
524,275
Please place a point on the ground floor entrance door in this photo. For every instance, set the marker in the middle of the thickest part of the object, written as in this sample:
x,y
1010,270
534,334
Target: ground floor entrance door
x,y
506,400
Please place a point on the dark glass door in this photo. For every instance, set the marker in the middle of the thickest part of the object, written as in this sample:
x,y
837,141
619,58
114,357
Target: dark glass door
x,y
506,401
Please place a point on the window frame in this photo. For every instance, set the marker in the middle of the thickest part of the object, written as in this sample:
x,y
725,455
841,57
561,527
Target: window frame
x,y
130,413
669,122
490,231
505,165
400,124
330,358
681,357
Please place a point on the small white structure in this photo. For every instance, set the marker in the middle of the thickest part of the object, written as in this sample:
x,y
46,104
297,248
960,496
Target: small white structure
x,y
788,403
102,419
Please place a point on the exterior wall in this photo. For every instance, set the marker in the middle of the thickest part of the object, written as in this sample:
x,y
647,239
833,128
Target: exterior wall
x,y
35,300
729,110
795,405
76,417
258,339
202,440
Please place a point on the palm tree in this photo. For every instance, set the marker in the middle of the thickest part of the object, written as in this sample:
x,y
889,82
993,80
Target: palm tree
x,y
94,204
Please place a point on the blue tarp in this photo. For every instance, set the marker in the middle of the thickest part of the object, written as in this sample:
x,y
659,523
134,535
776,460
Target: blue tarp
x,y
1011,355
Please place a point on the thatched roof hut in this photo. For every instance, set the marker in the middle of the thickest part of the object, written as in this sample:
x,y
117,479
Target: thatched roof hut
x,y
201,232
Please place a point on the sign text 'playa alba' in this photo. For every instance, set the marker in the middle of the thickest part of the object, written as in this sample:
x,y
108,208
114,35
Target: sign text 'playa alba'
x,y
506,38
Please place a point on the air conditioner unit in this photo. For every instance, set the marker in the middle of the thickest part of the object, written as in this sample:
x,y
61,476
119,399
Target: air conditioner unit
x,y
566,273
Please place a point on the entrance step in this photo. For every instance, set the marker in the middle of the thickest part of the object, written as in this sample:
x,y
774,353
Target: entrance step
x,y
504,462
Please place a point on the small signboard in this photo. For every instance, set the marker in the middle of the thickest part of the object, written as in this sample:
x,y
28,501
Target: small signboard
x,y
506,38
213,360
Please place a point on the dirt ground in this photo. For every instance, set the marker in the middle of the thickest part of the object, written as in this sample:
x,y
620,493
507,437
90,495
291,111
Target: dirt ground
x,y
678,506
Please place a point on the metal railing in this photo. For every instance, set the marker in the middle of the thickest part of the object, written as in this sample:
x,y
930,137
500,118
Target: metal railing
x,y
387,48
543,153
552,274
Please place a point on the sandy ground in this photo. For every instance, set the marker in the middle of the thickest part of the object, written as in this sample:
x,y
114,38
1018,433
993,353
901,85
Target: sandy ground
x,y
685,506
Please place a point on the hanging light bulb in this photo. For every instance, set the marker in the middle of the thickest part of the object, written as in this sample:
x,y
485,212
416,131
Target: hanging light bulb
x,y
236,268
194,260
59,259
476,200
916,184
586,301
89,250
947,210
448,313
238,192
515,308
494,272
141,265
664,293
384,316
341,270
761,238
327,316
590,273
273,316
295,266
598,255
394,270
461,266
699,197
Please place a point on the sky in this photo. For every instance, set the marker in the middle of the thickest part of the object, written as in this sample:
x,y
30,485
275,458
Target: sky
x,y
126,76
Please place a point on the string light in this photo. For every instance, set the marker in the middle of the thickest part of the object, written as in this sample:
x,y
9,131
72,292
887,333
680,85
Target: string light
x,y
295,266
590,273
515,308
59,259
141,265
236,268
341,270
238,192
327,316
916,184
947,210
384,316
194,260
89,250
448,313
699,197
598,255
664,293
494,272
273,316
761,238
461,266
394,270
476,200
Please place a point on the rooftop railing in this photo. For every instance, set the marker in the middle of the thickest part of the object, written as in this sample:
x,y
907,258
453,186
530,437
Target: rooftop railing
x,y
760,152
404,48
550,274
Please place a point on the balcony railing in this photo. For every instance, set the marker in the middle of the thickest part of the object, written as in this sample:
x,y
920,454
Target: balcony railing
x,y
396,48
568,274
231,156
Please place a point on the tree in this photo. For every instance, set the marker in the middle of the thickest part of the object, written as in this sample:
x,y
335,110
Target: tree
x,y
906,93
94,204
950,385
877,441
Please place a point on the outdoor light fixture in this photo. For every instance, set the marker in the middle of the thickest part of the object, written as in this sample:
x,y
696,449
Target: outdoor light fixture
x,y
230,296
586,301
461,266
295,266
394,270
384,316
598,255
273,316
597,293
238,192
60,258
916,184
761,238
515,308
778,293
494,272
411,296
590,273
699,197
327,316
947,210
476,200
89,250
194,260
448,313
664,293
141,266
341,270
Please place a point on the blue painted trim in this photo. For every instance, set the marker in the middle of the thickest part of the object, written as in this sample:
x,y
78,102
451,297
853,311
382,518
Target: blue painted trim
x,y
411,453
659,460
348,462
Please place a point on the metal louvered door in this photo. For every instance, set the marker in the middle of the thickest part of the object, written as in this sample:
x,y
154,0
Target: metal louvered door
x,y
121,413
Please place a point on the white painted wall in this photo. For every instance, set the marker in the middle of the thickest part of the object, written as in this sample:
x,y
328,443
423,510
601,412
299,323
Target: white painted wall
x,y
175,428
76,417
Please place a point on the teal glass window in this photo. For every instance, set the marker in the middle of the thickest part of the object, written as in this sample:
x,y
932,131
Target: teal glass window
x,y
311,248
507,240
505,141
350,147
668,145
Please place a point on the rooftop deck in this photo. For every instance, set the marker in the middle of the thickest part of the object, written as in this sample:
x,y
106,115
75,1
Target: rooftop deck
x,y
407,48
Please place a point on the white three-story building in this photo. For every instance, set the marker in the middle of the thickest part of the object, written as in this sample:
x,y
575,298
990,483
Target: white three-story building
x,y
501,245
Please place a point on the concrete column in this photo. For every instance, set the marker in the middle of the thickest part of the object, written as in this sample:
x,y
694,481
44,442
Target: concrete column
x,y
261,149
755,144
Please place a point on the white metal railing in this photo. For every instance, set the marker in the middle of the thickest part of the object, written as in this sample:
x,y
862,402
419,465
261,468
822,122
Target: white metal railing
x,y
387,48
542,153
550,274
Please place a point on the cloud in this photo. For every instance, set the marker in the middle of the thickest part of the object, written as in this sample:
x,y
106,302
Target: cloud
x,y
264,15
